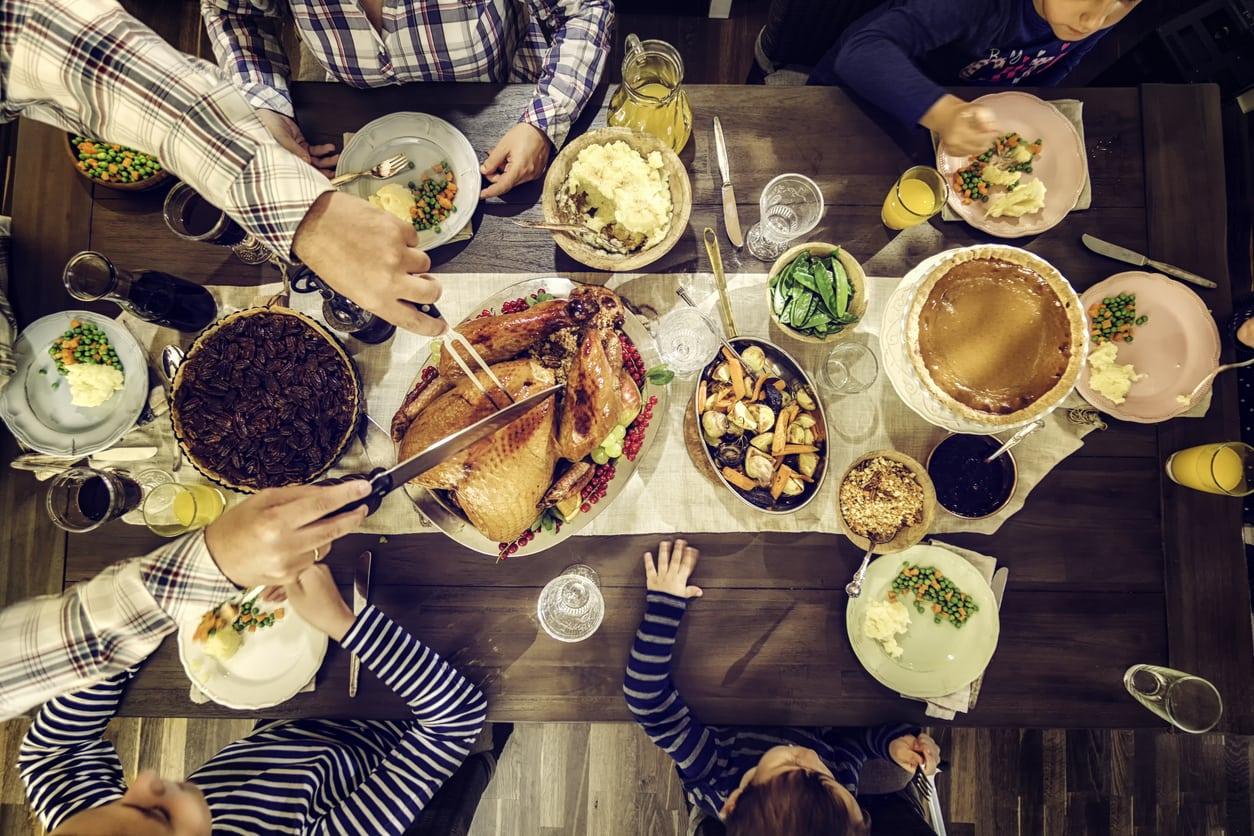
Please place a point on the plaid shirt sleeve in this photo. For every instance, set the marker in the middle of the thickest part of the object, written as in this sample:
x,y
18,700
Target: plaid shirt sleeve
x,y
87,66
96,629
581,34
245,39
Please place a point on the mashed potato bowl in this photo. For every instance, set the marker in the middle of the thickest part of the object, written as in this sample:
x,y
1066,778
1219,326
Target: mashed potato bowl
x,y
644,144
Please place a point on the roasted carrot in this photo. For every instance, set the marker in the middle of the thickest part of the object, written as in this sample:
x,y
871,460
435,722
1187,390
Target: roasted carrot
x,y
789,449
737,377
757,387
738,479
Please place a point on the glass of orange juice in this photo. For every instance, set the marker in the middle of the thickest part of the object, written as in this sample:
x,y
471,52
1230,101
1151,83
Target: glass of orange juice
x,y
1226,467
918,194
173,508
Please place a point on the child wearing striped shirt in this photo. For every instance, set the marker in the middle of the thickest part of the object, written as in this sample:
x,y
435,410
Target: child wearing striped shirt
x,y
760,781
299,776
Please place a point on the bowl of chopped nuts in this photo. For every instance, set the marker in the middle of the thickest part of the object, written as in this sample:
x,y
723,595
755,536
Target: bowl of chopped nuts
x,y
887,495
114,166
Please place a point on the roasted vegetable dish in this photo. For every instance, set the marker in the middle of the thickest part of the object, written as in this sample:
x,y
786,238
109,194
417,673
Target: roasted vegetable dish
x,y
763,427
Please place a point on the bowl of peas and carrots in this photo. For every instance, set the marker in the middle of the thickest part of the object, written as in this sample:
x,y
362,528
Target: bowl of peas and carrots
x,y
114,166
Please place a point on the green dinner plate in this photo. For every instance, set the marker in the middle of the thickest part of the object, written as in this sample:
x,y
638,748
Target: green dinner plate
x,y
936,659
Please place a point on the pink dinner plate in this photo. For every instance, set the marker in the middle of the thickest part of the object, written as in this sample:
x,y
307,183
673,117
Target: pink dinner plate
x,y
1176,347
1062,165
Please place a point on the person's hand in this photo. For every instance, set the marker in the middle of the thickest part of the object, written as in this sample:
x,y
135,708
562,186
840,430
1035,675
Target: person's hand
x,y
964,128
519,157
315,596
1245,333
674,567
288,134
276,534
371,257
910,752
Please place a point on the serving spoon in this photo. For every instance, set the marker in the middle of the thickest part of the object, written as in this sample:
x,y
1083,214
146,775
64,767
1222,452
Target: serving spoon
x,y
854,588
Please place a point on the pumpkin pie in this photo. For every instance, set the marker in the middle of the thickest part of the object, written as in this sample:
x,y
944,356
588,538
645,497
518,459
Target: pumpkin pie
x,y
997,335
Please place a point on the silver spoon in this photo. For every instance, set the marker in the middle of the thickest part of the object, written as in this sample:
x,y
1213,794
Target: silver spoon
x,y
1016,438
854,588
171,357
714,329
1204,382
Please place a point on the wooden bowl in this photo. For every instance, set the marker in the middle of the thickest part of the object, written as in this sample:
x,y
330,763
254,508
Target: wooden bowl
x,y
907,537
137,186
856,277
598,259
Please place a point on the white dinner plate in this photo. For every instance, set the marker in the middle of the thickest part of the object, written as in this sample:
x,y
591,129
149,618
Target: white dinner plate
x,y
36,404
270,668
936,659
425,140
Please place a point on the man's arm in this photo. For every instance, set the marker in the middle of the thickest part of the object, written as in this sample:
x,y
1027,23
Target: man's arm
x,y
94,630
580,35
245,40
88,66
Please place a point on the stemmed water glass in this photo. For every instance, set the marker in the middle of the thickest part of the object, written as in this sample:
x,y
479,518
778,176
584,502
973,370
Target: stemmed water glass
x,y
791,205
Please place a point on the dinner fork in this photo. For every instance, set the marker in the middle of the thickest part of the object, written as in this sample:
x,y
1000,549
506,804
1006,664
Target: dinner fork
x,y
390,167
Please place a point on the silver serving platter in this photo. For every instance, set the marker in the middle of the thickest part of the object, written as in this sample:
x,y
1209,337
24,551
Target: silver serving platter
x,y
791,372
450,520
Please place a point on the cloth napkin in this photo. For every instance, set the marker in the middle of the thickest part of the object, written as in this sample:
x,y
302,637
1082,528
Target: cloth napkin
x,y
962,700
1073,110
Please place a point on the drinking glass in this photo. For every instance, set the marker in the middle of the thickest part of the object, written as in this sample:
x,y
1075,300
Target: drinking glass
x,y
918,194
791,205
173,509
1226,467
849,368
82,499
571,606
1188,702
685,341
192,218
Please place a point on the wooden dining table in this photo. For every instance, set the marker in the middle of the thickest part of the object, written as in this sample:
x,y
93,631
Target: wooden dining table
x,y
1110,563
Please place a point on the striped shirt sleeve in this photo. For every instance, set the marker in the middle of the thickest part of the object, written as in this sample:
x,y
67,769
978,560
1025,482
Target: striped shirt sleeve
x,y
449,713
656,703
59,643
245,39
65,764
87,66
582,31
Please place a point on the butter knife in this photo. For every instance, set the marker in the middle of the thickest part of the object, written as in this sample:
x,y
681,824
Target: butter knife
x,y
730,218
361,594
1127,256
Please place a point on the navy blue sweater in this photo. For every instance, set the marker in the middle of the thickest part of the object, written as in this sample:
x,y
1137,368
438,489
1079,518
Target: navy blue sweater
x,y
899,55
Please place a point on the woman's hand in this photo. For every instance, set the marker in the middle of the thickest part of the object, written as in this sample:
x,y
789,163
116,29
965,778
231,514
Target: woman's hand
x,y
964,128
520,156
288,134
910,752
315,596
274,535
673,569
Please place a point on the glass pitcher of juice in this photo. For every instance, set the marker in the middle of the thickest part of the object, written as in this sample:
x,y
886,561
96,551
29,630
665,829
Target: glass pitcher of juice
x,y
651,97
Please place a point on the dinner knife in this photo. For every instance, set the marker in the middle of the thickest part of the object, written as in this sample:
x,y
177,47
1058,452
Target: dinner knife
x,y
361,594
384,481
1123,254
730,218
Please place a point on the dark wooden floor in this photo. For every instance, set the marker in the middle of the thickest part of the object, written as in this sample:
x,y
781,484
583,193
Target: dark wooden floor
x,y
606,780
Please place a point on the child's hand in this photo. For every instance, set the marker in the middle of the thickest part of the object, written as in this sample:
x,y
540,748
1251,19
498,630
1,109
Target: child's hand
x,y
673,569
315,596
910,751
963,127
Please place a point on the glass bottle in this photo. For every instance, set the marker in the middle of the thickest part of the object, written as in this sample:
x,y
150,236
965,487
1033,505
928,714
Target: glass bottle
x,y
651,97
151,295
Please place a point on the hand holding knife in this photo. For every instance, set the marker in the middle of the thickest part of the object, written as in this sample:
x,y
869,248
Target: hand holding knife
x,y
730,217
361,596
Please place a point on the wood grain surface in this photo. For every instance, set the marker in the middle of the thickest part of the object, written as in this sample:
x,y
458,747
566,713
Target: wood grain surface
x,y
1101,569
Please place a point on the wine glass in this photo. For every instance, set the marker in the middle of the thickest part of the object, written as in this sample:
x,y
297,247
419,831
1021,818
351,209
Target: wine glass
x,y
791,205
684,341
1188,702
571,606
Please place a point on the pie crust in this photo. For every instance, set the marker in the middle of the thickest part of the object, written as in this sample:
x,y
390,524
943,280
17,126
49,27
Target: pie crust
x,y
1033,380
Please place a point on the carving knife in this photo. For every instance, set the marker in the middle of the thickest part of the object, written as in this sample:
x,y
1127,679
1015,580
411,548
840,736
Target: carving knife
x,y
730,219
1123,254
383,482
361,595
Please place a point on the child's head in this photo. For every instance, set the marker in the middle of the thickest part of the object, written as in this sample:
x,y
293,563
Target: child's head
x,y
791,792
1075,20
